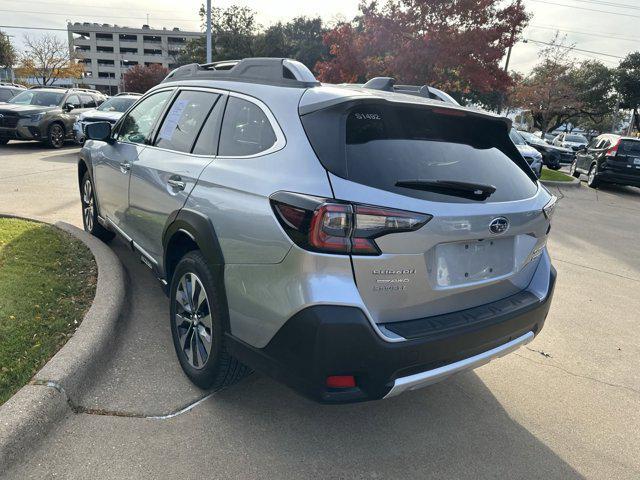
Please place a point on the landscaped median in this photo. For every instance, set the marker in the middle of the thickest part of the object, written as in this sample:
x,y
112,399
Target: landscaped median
x,y
47,283
61,290
556,177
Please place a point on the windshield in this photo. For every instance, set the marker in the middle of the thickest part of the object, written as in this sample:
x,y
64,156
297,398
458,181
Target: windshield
x,y
516,137
116,104
530,137
576,139
38,97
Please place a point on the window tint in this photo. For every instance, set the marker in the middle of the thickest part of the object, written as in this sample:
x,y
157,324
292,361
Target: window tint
x,y
629,147
137,126
245,129
88,101
207,143
5,94
381,145
74,100
185,118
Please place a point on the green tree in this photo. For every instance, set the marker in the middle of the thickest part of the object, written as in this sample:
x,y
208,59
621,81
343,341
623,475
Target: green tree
x,y
628,84
8,56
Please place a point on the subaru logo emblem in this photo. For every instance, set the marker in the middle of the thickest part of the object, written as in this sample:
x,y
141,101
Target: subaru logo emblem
x,y
499,225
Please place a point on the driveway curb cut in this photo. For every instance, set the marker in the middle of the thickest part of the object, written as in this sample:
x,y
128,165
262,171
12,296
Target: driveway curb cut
x,y
35,408
574,183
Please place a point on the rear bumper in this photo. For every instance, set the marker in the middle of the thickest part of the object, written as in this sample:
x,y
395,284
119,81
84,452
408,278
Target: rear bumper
x,y
326,340
610,176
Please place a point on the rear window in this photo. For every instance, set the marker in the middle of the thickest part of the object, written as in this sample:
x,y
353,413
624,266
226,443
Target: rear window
x,y
629,147
575,138
379,145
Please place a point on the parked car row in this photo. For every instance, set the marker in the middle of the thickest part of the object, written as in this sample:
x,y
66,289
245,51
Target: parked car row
x,y
552,156
55,115
609,159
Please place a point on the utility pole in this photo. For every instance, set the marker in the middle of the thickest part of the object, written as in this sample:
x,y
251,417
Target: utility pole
x,y
512,38
209,53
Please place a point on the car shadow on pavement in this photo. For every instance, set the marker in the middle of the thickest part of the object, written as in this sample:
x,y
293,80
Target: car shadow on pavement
x,y
455,429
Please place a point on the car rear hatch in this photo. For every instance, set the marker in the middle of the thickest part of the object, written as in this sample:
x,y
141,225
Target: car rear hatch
x,y
486,226
624,157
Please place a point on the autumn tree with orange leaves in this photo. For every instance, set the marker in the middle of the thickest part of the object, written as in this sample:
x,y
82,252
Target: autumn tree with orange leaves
x,y
456,46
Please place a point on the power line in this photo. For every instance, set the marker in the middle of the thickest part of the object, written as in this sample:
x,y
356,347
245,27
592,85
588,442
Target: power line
x,y
104,16
592,34
33,28
576,49
86,5
608,4
586,9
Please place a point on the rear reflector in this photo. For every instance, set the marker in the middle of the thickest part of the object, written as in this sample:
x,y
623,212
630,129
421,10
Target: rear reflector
x,y
341,381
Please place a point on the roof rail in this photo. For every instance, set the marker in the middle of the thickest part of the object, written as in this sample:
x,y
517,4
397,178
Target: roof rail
x,y
10,84
387,84
35,87
270,71
128,93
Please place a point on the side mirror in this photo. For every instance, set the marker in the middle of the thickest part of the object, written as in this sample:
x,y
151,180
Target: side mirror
x,y
69,106
582,148
98,131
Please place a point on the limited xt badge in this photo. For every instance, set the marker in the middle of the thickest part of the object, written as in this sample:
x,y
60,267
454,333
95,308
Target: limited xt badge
x,y
499,225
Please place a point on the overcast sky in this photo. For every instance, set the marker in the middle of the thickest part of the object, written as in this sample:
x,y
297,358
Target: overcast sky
x,y
585,22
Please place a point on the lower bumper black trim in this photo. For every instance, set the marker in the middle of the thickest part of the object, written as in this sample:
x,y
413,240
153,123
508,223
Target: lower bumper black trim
x,y
325,340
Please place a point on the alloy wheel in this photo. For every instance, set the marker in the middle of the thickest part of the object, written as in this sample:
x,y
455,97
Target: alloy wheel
x,y
87,205
572,170
193,321
592,175
56,135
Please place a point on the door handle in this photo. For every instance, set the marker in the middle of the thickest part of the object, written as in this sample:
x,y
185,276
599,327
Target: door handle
x,y
125,167
177,183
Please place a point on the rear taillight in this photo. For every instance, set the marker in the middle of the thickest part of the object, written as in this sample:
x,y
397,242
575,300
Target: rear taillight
x,y
330,226
613,151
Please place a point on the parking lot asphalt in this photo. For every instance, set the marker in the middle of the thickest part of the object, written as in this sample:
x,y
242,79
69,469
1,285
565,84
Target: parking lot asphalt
x,y
565,406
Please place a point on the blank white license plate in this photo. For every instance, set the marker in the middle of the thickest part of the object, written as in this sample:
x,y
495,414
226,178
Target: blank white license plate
x,y
460,263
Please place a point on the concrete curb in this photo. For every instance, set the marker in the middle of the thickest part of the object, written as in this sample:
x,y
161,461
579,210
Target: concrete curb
x,y
574,183
52,392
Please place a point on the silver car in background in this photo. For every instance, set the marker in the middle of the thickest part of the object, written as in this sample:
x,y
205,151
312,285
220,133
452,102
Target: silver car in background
x,y
351,242
109,111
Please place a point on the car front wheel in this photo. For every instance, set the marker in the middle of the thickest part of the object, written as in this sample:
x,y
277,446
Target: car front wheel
x,y
197,325
573,170
55,136
592,179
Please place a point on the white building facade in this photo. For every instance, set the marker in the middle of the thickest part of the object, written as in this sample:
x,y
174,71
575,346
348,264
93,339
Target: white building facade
x,y
108,51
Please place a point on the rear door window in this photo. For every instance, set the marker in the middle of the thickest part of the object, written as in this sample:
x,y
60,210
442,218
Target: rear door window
x,y
88,101
246,130
380,145
184,120
629,147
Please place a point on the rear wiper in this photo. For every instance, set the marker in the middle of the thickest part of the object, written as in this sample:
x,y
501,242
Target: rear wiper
x,y
472,191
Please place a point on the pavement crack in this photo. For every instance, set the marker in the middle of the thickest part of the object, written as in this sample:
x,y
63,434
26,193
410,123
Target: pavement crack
x,y
544,354
577,375
80,409
555,259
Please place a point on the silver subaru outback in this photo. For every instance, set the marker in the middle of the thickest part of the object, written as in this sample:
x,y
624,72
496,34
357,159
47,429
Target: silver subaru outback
x,y
353,242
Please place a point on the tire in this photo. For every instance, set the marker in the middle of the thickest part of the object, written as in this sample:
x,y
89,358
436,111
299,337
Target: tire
x,y
4,141
553,160
592,179
55,136
90,212
573,170
201,349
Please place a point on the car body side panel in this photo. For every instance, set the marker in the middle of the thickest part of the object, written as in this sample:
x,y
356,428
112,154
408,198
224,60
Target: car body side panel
x,y
152,199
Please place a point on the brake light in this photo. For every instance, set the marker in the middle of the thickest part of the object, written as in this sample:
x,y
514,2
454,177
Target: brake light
x,y
341,381
330,226
613,151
